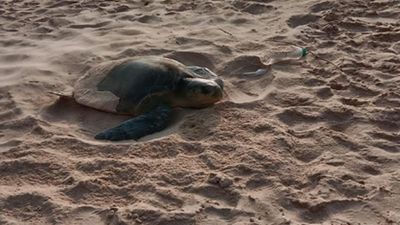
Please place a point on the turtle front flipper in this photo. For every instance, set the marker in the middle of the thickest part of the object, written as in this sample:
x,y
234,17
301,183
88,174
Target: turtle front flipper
x,y
147,123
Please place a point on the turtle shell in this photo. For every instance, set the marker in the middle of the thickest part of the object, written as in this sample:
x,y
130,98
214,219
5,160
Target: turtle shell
x,y
121,86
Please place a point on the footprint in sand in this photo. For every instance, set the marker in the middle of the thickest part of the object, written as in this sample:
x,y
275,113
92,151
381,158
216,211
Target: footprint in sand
x,y
21,206
88,25
149,19
28,171
299,20
322,6
253,7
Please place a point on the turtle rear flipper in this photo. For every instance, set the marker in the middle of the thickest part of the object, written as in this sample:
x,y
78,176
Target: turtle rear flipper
x,y
135,128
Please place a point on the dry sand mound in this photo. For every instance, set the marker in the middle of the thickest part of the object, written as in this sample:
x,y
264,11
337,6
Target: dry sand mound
x,y
304,144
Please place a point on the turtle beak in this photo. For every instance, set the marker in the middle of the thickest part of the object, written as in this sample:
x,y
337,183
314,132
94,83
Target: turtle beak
x,y
215,91
220,83
218,92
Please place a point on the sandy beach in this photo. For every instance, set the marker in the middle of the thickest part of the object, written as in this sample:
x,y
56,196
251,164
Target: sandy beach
x,y
306,143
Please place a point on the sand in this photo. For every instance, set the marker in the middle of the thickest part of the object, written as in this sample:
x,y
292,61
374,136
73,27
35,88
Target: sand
x,y
305,143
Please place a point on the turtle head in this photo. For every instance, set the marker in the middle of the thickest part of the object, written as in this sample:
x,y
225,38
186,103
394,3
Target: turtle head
x,y
200,92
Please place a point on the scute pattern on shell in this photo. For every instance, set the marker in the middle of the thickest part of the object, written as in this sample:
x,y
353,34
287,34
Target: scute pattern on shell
x,y
86,93
120,86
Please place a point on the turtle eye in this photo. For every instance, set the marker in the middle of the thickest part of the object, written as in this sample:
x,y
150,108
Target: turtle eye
x,y
200,71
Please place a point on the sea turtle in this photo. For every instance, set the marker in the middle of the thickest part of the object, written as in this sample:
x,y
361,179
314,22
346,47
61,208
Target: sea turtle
x,y
147,88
